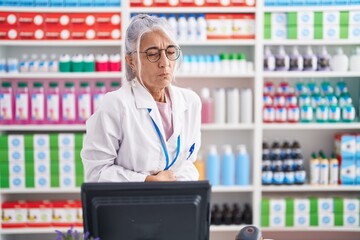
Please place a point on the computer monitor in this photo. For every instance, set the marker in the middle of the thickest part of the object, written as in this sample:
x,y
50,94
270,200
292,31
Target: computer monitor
x,y
147,210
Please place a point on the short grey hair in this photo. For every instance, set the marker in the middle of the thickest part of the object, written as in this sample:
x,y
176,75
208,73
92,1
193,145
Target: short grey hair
x,y
139,25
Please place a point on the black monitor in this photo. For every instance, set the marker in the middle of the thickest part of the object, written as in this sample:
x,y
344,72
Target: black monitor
x,y
147,210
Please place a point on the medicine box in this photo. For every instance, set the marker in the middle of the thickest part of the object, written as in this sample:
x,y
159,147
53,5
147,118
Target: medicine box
x,y
279,32
305,18
301,206
278,19
354,31
345,145
305,32
331,32
331,18
301,220
41,141
351,205
348,172
277,206
277,220
14,214
326,220
354,17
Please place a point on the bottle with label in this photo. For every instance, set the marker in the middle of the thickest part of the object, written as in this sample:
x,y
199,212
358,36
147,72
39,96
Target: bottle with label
x,y
324,169
314,169
219,106
339,62
228,167
84,102
115,62
269,60
53,103
201,27
282,60
310,60
22,104
296,60
295,149
98,95
77,63
13,65
43,63
355,61
207,106
6,103
275,148
24,63
232,111
53,63
265,149
247,214
173,23
89,63
348,113
38,103
267,174
192,27
182,28
65,63
300,173
246,105
324,60
242,166
68,103
213,166
276,162
278,176
334,170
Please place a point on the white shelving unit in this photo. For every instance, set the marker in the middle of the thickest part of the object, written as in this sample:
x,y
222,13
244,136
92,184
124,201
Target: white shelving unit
x,y
250,134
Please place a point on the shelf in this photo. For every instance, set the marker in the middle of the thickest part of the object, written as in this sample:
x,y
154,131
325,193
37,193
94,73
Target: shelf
x,y
227,126
310,8
229,189
55,43
43,127
310,188
192,10
305,74
220,42
215,75
310,126
311,229
63,75
310,42
226,228
25,231
39,191
95,9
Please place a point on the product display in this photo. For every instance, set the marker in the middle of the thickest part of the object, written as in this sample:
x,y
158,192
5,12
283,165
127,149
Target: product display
x,y
192,3
225,215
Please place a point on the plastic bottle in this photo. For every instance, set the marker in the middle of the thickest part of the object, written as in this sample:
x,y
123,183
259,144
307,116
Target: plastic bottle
x,y
22,103
201,27
182,28
33,64
3,65
24,63
246,105
242,64
207,106
324,169
334,170
200,166
296,60
98,95
192,27
267,174
225,62
84,102
115,62
38,103
310,60
269,60
314,169
53,103
324,60
43,63
89,63
53,63
228,167
234,66
77,63
339,62
174,24
355,61
6,103
213,166
282,60
348,113
242,166
300,173
65,63
13,65
322,113
219,106
232,106
334,113
102,63
68,103
306,113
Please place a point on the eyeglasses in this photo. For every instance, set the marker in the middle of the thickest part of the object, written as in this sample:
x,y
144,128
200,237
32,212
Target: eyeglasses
x,y
153,54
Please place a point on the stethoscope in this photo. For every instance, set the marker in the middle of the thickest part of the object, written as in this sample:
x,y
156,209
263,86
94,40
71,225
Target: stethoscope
x,y
163,144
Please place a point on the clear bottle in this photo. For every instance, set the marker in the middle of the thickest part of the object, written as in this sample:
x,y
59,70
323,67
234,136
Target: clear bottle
x,y
213,166
242,166
68,103
207,106
43,63
84,102
98,95
53,63
34,64
6,103
53,103
38,103
22,104
228,167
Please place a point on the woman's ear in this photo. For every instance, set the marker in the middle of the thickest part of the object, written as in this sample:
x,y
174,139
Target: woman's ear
x,y
130,61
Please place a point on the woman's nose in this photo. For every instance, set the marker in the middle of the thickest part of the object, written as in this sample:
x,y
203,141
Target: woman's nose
x,y
163,61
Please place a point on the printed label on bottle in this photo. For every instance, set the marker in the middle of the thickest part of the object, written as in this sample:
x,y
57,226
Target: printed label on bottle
x,y
68,106
293,114
300,176
84,107
278,177
289,178
22,104
6,108
53,107
334,172
267,177
37,107
97,100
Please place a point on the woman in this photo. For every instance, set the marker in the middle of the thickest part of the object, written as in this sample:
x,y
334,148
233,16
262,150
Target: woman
x,y
148,130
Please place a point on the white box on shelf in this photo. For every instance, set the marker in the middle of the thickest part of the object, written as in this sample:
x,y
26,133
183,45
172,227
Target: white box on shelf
x,y
278,32
354,32
41,141
301,206
277,206
42,181
16,141
16,155
325,205
326,219
351,220
331,18
301,220
354,17
66,155
351,205
17,181
331,32
66,140
305,18
277,220
305,32
278,19
41,155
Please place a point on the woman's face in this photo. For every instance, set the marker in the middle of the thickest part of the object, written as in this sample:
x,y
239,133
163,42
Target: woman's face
x,y
155,75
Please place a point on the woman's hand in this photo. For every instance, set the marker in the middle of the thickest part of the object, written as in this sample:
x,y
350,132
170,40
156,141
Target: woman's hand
x,y
166,175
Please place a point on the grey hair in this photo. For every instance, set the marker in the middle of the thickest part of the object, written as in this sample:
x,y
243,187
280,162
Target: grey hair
x,y
139,25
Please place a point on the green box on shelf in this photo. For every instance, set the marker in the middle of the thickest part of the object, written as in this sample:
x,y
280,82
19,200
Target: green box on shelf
x,y
292,19
29,141
344,31
344,18
289,220
4,181
339,220
4,141
265,206
289,206
318,19
292,32
267,33
265,220
318,32
54,140
79,140
314,220
338,205
267,20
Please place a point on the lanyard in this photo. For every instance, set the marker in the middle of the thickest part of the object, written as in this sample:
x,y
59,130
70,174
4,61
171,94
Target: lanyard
x,y
163,144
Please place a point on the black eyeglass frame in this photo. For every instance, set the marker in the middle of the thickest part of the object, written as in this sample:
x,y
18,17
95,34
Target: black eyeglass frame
x,y
178,49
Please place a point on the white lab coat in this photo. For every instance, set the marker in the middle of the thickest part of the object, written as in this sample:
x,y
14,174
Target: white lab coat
x,y
121,143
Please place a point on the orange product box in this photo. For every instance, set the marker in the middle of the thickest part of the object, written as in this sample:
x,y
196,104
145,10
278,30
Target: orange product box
x,y
111,33
212,3
136,3
243,3
30,19
107,19
8,19
30,33
219,26
161,3
79,214
187,3
14,214
64,213
243,26
39,214
82,32
8,33
57,19
78,19
57,33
